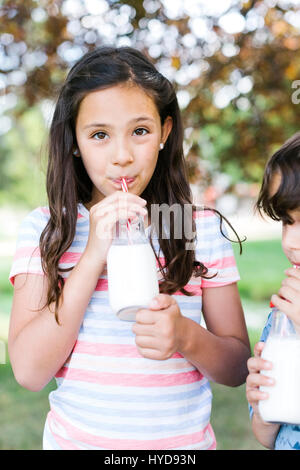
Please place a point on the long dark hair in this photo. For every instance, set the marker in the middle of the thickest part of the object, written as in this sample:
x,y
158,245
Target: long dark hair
x,y
285,163
68,182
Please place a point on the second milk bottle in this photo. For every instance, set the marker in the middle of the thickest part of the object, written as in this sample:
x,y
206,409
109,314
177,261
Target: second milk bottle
x,y
282,349
131,270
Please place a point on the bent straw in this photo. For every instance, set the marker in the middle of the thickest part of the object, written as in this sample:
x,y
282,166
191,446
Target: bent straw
x,y
285,318
125,190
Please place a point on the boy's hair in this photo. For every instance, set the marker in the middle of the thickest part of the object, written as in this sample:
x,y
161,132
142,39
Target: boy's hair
x,y
286,164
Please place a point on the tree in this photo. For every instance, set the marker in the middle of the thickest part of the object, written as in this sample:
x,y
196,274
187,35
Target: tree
x,y
233,63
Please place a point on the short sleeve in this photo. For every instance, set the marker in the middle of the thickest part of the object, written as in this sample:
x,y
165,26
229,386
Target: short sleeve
x,y
27,255
214,250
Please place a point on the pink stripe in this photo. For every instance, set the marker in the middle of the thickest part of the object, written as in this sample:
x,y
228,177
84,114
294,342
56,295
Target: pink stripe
x,y
203,213
192,288
128,444
212,435
12,278
34,251
70,257
46,211
63,443
129,380
111,350
27,252
102,285
206,283
221,263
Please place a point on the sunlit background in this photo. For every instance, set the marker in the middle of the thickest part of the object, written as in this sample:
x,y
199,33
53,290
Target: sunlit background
x,y
236,70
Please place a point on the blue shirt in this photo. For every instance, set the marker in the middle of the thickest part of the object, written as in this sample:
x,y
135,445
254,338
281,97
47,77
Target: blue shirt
x,y
288,437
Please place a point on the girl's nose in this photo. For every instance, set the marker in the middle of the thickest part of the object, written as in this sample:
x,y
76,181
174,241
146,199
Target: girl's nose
x,y
122,154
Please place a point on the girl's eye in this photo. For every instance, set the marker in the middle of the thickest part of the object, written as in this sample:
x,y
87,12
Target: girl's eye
x,y
141,131
99,136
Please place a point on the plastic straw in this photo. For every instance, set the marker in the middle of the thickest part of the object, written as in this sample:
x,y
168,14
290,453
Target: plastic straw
x,y
125,190
285,318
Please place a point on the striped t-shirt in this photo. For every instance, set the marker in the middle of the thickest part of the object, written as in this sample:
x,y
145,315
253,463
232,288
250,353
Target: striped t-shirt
x,y
108,396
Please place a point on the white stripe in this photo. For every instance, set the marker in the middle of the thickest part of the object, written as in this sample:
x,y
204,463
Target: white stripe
x,y
135,405
130,365
131,391
82,426
197,415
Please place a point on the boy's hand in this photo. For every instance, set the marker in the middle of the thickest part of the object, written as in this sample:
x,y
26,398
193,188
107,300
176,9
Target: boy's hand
x,y
288,298
159,328
255,379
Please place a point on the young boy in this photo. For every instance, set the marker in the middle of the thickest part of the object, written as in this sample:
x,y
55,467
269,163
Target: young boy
x,y
279,198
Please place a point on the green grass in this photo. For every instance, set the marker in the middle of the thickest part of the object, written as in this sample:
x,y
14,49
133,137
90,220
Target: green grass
x,y
230,419
261,268
23,413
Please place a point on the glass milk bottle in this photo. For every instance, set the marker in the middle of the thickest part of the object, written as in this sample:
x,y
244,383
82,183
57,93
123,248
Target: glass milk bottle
x,y
131,270
282,348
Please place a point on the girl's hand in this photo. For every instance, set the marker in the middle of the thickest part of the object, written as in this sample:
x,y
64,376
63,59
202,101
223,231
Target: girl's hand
x,y
103,217
255,379
288,298
159,328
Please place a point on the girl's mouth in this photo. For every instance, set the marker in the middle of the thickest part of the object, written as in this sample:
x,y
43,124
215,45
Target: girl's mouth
x,y
118,181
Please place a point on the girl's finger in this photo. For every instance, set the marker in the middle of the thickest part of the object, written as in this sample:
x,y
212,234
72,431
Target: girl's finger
x,y
161,301
149,353
142,329
120,209
148,342
106,224
146,317
119,196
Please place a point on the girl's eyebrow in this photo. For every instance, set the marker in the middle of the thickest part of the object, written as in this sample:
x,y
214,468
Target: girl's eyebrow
x,y
138,119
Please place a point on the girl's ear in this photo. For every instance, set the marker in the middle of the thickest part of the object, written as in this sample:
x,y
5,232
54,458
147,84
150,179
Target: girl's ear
x,y
166,129
76,153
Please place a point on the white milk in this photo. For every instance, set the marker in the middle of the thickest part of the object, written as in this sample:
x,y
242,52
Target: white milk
x,y
132,278
283,404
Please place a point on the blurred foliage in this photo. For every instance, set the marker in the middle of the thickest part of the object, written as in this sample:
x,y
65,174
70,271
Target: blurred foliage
x,y
234,65
21,161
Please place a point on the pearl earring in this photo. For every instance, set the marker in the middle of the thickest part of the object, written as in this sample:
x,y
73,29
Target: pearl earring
x,y
161,145
76,153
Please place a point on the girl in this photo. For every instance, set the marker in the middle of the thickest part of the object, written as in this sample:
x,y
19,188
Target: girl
x,y
121,386
280,199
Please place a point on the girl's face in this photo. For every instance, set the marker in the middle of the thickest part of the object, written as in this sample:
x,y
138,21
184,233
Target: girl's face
x,y
119,133
290,232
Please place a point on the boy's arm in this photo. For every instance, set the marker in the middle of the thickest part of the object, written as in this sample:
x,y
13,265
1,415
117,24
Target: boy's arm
x,y
265,433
